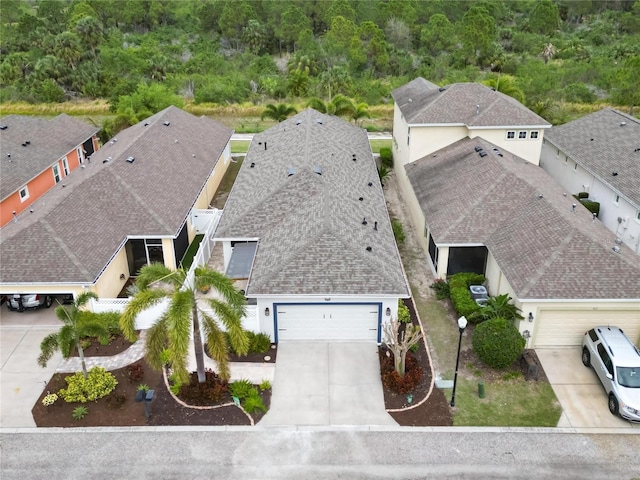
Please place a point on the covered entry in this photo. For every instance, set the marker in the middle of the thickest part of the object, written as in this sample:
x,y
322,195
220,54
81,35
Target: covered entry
x,y
322,321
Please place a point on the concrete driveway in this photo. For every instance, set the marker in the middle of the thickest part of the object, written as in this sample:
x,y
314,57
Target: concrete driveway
x,y
324,383
21,378
580,393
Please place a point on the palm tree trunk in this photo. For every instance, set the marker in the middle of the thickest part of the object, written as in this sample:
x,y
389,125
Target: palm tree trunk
x,y
199,348
82,362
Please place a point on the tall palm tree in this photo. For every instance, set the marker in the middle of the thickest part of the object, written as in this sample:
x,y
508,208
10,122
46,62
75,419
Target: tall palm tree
x,y
76,325
279,112
506,84
184,318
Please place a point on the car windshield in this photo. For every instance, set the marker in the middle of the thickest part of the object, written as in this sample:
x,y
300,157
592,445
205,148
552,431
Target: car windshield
x,y
629,376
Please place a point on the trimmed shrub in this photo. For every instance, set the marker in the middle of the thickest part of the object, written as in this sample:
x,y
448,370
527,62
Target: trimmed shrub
x,y
195,393
386,157
99,383
253,402
497,342
441,288
135,372
460,295
404,315
593,207
581,195
398,231
240,388
394,382
259,343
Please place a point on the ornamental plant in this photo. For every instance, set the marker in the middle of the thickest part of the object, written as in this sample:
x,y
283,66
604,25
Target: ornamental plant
x,y
49,399
98,383
79,412
497,342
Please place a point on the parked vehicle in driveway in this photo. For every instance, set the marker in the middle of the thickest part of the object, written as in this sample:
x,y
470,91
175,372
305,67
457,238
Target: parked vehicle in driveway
x,y
616,361
20,302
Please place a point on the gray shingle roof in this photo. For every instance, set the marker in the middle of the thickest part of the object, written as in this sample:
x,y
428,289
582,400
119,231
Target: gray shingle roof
x,y
76,228
544,249
312,240
471,104
49,140
602,145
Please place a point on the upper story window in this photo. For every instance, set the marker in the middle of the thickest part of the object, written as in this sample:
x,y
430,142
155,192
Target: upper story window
x,y
24,193
511,135
534,134
522,135
56,172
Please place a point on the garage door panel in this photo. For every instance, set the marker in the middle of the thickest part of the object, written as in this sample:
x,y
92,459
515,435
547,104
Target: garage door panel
x,y
558,328
327,322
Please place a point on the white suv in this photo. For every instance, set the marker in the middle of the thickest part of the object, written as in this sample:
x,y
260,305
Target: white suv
x,y
616,361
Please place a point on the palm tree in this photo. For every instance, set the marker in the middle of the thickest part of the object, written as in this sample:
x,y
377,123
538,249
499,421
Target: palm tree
x,y
77,324
317,104
548,52
506,84
498,307
278,112
184,318
360,112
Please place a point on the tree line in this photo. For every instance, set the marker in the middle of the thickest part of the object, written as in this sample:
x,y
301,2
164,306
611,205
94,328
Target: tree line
x,y
144,54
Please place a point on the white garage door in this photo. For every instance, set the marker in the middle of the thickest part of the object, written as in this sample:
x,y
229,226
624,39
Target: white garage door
x,y
558,328
327,322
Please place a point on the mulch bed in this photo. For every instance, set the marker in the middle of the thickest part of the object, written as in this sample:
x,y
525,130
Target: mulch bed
x,y
117,344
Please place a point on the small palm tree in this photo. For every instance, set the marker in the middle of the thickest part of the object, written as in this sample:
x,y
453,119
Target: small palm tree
x,y
317,104
279,112
360,112
506,84
184,318
500,307
77,324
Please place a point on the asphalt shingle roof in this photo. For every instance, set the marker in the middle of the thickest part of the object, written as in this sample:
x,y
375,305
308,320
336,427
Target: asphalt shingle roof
x,y
49,140
471,104
312,240
604,142
526,221
77,227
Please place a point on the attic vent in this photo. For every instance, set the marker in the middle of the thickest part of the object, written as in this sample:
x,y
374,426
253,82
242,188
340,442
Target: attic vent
x,y
623,124
319,121
130,159
478,148
3,127
146,124
614,174
298,122
166,124
253,164
291,171
317,169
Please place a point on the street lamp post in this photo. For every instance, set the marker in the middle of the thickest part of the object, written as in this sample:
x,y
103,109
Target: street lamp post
x,y
462,324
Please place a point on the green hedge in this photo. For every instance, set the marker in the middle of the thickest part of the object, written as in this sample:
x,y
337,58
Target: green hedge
x,y
593,207
386,157
460,296
497,342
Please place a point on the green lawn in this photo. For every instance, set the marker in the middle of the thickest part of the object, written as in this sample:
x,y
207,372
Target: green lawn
x,y
240,146
187,260
376,145
507,403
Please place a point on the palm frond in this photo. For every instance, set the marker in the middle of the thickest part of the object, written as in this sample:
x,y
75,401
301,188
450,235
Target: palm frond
x,y
232,321
142,301
217,346
222,284
179,328
48,347
67,336
156,273
155,343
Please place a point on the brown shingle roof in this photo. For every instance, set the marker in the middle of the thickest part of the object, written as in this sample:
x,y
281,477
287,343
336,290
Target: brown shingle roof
x,y
545,250
604,142
470,104
76,228
312,240
49,140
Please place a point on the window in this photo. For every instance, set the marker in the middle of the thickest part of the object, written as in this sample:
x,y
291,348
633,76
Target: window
x,y
606,359
511,135
557,152
24,193
616,198
522,135
593,335
534,134
566,160
65,166
638,216
575,167
80,153
56,172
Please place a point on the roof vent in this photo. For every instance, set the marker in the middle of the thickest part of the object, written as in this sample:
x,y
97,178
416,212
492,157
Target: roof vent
x,y
3,127
540,195
108,159
441,89
368,249
317,169
500,155
478,148
477,109
24,144
319,121
370,184
364,221
482,153
146,124
614,174
253,164
616,249
573,207
354,157
166,124
291,171
130,159
361,198
623,124
375,225
298,122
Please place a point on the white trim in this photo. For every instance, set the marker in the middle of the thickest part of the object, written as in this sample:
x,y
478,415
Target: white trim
x,y
26,196
410,125
578,300
65,166
508,127
55,167
236,239
438,245
322,297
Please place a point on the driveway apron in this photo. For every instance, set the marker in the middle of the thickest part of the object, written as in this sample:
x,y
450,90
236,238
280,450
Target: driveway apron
x,y
323,383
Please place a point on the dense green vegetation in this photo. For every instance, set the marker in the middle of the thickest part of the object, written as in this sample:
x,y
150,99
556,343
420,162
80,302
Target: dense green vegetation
x,y
142,55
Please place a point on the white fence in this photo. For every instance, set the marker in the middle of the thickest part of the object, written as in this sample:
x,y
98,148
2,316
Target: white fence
x,y
206,222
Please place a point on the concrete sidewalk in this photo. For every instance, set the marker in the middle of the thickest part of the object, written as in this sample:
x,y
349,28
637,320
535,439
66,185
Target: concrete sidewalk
x,y
323,383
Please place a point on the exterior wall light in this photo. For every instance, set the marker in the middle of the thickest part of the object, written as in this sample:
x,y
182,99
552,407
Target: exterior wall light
x,y
388,312
530,317
266,312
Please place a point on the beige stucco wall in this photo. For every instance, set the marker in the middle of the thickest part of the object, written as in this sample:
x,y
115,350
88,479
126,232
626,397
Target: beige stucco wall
x,y
529,149
426,140
109,283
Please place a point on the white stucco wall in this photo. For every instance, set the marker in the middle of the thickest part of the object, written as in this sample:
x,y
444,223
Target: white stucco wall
x,y
528,149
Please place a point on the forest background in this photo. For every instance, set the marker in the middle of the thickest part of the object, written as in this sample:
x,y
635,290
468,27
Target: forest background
x,y
116,62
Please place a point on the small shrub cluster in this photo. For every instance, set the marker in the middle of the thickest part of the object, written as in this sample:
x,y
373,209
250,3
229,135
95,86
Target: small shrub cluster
x,y
265,385
392,380
248,395
593,207
207,393
49,399
135,372
497,342
386,157
258,342
460,295
404,315
79,412
99,383
441,287
398,231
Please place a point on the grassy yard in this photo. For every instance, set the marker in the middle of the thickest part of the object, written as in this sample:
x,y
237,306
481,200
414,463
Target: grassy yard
x,y
507,403
376,145
240,146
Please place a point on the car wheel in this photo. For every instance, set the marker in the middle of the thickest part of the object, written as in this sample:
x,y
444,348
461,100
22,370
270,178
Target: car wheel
x,y
586,357
48,301
613,404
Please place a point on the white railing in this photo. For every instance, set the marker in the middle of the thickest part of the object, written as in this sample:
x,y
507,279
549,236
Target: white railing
x,y
206,222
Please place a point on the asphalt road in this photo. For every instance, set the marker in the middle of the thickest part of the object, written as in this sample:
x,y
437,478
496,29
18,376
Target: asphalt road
x,y
317,454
